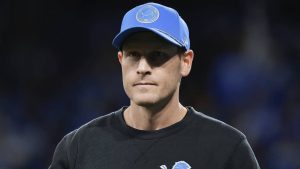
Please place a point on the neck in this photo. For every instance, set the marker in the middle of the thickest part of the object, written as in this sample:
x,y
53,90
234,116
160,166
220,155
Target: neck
x,y
154,117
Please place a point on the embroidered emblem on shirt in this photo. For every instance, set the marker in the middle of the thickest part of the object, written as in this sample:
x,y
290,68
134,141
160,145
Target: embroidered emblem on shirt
x,y
147,14
178,165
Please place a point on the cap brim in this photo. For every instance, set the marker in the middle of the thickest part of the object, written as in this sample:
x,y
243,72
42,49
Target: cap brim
x,y
119,39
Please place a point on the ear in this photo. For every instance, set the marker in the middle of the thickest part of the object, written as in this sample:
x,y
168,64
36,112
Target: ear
x,y
186,62
120,56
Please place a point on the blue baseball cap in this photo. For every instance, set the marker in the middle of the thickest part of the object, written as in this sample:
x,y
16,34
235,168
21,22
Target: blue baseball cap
x,y
159,19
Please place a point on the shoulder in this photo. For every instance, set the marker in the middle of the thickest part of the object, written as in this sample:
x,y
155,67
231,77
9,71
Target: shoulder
x,y
228,143
214,128
100,124
67,149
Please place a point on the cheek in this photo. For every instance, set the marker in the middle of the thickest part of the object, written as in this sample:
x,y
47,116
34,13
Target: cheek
x,y
170,79
125,70
125,76
128,79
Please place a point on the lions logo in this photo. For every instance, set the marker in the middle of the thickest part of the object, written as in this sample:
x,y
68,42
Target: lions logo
x,y
147,14
178,165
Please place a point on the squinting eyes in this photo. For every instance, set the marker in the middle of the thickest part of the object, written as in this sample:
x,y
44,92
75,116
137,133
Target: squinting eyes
x,y
155,54
155,58
132,54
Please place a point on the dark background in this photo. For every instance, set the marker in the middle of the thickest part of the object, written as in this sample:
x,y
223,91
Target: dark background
x,y
58,70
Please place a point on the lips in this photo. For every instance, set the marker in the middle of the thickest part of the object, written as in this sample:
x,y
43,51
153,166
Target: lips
x,y
144,84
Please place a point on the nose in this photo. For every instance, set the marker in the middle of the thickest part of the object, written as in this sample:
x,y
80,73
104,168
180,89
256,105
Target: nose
x,y
143,66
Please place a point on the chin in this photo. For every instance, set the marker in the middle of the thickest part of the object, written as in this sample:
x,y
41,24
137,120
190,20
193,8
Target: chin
x,y
145,101
145,104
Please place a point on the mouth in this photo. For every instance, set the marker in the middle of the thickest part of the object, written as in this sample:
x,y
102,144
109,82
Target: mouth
x,y
144,84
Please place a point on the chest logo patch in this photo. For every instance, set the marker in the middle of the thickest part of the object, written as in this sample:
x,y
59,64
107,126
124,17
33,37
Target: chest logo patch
x,y
178,165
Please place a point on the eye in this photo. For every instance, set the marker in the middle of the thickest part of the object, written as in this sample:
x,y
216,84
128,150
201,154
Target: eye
x,y
158,57
133,55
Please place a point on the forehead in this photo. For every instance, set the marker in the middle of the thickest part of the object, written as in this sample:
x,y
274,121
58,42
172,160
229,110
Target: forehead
x,y
147,40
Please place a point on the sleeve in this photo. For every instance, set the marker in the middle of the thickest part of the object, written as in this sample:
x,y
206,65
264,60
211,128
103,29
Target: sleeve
x,y
243,157
62,156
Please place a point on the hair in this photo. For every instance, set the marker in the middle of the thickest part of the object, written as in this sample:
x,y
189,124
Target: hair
x,y
181,50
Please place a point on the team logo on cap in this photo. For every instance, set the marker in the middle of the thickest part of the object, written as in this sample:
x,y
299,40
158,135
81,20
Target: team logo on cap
x,y
147,14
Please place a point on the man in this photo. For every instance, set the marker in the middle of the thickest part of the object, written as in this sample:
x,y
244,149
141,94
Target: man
x,y
155,130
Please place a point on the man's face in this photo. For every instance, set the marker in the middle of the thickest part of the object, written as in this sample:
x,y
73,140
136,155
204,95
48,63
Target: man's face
x,y
151,69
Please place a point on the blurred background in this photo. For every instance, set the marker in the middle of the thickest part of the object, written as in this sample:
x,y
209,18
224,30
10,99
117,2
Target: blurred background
x,y
58,70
